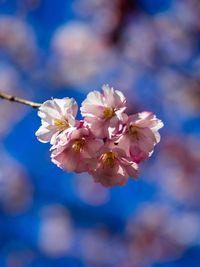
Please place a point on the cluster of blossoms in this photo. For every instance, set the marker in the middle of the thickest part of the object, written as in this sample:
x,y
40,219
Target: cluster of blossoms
x,y
108,144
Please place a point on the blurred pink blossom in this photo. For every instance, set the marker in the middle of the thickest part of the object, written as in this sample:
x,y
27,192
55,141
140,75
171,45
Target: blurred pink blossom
x,y
18,40
56,231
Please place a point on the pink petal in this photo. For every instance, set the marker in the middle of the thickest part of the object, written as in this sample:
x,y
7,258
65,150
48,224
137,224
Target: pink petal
x,y
132,170
113,98
66,160
94,146
138,155
79,133
44,135
94,98
113,126
96,126
109,178
92,110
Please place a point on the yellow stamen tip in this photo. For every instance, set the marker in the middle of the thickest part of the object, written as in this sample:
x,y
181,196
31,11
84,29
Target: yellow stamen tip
x,y
78,145
134,131
61,124
109,159
108,113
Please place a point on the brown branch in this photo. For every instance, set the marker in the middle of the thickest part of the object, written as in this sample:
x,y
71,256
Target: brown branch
x,y
19,100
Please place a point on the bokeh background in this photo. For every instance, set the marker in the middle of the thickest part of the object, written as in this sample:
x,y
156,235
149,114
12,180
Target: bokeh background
x,y
149,49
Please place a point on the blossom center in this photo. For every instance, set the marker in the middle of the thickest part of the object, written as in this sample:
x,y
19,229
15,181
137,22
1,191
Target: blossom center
x,y
109,159
78,145
108,113
134,131
61,125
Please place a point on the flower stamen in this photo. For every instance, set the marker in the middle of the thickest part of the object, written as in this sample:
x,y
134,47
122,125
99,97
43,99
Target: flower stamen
x,y
108,113
109,159
134,131
78,145
61,124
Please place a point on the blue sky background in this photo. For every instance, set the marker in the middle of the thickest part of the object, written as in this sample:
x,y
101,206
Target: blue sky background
x,y
148,49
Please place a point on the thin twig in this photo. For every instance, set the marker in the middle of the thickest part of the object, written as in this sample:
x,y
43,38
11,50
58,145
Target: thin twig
x,y
19,100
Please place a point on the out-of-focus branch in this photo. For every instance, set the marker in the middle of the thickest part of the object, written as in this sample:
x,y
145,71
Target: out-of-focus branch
x,y
19,100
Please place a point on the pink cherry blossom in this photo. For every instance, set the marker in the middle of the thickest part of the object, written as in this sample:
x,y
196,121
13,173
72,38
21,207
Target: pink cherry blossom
x,y
57,115
104,112
140,135
75,150
108,144
113,167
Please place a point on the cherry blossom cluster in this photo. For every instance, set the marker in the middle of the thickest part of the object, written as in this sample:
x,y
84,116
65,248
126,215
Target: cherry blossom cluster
x,y
107,143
